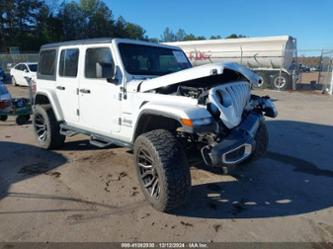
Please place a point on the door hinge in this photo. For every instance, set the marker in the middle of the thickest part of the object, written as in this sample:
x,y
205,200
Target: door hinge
x,y
120,96
123,90
77,112
119,121
77,91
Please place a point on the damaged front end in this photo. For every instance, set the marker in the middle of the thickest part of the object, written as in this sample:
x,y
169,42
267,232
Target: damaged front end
x,y
225,90
239,143
230,146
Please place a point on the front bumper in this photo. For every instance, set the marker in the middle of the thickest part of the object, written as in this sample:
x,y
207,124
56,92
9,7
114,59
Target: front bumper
x,y
237,146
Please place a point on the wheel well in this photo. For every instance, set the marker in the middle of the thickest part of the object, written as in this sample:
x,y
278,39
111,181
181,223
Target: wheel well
x,y
149,122
41,99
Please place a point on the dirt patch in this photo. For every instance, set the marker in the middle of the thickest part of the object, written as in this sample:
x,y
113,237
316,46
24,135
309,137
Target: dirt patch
x,y
55,174
97,157
186,224
111,178
217,227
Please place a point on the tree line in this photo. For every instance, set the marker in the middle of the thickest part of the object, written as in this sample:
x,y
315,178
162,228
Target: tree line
x,y
181,35
28,24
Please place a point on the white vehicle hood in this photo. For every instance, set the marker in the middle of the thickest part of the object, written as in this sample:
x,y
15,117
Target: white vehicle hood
x,y
196,73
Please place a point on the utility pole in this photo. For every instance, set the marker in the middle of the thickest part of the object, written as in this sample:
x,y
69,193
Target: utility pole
x,y
64,19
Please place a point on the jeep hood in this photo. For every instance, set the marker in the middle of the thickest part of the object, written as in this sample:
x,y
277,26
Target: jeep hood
x,y
196,73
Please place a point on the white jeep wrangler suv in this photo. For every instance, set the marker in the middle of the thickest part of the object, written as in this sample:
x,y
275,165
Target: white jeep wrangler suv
x,y
148,97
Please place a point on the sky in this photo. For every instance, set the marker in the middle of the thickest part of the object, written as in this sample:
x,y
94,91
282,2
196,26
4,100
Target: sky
x,y
310,21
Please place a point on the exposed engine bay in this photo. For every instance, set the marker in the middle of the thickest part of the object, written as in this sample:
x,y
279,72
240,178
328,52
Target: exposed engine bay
x,y
199,88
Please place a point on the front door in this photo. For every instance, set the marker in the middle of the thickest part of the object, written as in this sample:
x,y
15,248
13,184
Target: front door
x,y
68,84
99,99
20,73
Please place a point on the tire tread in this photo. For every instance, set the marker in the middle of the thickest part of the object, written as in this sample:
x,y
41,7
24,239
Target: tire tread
x,y
173,163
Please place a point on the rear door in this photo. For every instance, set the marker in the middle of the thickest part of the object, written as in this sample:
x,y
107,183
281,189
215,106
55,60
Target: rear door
x,y
99,99
25,73
67,83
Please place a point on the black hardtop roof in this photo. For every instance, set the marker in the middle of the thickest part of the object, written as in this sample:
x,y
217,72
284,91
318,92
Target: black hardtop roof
x,y
77,42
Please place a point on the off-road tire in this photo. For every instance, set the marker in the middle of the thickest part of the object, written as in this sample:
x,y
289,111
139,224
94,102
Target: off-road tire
x,y
170,164
261,142
53,139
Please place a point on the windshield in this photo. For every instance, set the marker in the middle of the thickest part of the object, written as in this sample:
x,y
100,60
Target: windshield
x,y
33,67
150,60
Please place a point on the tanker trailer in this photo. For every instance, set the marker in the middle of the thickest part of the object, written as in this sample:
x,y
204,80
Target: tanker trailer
x,y
273,58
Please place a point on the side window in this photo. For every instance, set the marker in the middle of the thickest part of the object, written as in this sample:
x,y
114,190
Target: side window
x,y
69,62
24,67
98,63
18,67
47,62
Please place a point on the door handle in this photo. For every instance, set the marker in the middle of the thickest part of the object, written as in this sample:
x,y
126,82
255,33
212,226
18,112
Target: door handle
x,y
85,91
61,88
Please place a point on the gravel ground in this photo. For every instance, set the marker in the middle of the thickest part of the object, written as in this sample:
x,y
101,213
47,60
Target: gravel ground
x,y
82,193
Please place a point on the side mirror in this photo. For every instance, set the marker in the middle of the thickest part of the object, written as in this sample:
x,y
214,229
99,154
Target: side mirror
x,y
115,78
112,80
105,70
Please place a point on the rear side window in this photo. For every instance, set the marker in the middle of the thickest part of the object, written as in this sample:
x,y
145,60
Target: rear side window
x,y
69,62
24,67
99,63
47,62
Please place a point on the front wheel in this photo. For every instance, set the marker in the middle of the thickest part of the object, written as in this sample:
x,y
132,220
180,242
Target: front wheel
x,y
162,169
46,128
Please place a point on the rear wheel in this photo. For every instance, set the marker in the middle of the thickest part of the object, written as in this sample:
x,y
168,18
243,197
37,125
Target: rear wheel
x,y
46,127
282,81
162,169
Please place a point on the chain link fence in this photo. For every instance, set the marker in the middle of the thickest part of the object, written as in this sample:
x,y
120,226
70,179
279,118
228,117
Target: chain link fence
x,y
280,69
7,60
315,70
325,75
